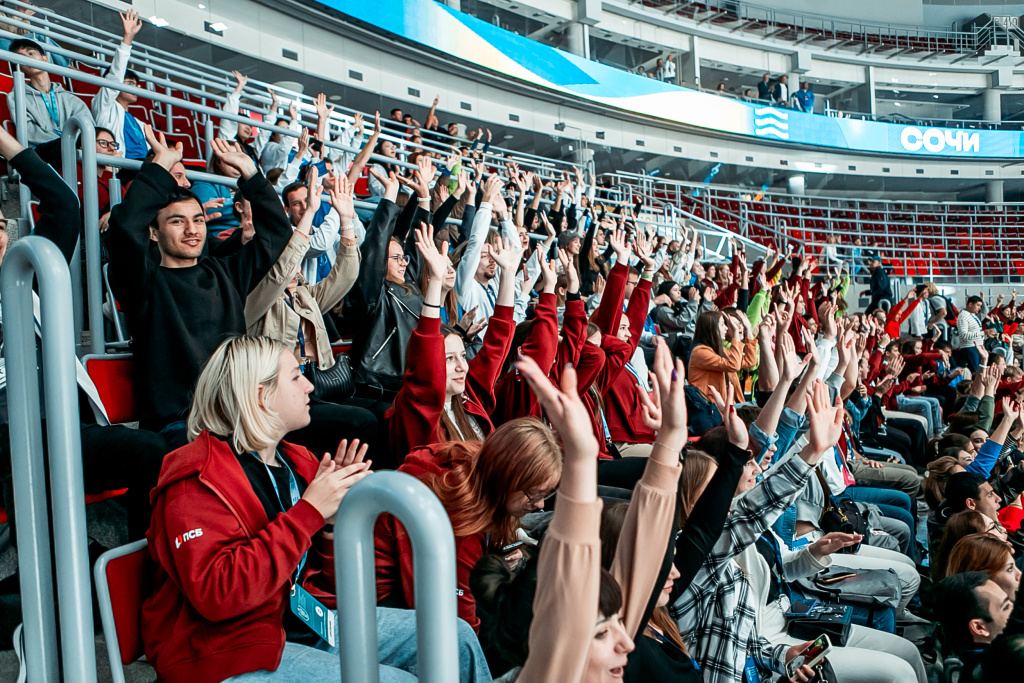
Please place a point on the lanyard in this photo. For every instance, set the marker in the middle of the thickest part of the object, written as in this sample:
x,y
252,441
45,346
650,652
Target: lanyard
x,y
770,539
490,295
293,491
52,107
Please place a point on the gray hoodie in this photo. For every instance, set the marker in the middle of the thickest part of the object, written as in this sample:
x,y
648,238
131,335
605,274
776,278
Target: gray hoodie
x,y
41,127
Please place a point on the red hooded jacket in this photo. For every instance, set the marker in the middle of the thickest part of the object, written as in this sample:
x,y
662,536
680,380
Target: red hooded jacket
x,y
415,417
224,572
394,551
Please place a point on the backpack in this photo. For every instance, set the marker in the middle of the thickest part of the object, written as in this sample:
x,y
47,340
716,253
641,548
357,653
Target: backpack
x,y
702,413
952,312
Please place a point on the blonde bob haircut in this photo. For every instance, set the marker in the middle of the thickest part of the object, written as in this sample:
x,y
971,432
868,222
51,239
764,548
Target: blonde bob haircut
x,y
226,399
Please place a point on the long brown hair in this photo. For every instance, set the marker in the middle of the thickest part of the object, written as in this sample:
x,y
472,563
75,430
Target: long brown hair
x,y
613,518
697,465
462,428
978,552
934,484
521,455
958,525
706,332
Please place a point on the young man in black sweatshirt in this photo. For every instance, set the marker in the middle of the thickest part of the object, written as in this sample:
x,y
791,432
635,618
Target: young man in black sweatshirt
x,y
181,309
113,457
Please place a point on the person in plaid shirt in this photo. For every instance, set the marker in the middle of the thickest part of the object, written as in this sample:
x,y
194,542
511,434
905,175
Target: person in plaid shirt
x,y
715,616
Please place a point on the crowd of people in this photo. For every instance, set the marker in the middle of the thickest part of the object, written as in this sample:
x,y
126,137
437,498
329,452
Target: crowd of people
x,y
658,464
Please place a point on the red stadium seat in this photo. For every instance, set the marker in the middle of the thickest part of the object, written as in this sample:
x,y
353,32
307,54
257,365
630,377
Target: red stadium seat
x,y
124,579
113,376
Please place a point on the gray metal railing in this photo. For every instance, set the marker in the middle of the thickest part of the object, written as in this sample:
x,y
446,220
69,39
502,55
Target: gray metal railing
x,y
82,128
433,548
39,257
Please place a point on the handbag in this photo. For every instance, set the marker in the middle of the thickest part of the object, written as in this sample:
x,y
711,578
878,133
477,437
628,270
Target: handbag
x,y
333,385
867,521
702,414
833,518
834,620
877,588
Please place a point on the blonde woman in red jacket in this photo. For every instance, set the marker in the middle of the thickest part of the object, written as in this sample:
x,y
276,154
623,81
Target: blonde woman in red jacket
x,y
444,397
238,514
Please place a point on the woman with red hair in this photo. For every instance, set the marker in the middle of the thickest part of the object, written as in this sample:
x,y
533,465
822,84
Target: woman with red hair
x,y
486,488
986,553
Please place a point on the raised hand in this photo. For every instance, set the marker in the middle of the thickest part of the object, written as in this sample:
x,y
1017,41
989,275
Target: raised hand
x,y
462,183
240,80
565,411
132,25
303,142
490,189
389,181
790,364
342,195
505,254
733,424
548,277
208,208
642,249
826,420
423,175
570,271
323,110
617,240
435,260
163,154
228,154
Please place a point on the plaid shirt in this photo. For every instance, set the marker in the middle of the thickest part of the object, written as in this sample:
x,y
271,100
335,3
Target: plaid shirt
x,y
714,614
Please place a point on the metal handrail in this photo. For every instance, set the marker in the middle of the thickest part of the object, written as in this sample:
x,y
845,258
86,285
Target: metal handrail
x,y
433,548
826,25
40,258
91,224
206,76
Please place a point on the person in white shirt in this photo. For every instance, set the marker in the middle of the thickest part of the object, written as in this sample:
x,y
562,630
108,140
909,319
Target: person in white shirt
x,y
110,106
782,91
476,282
969,341
668,73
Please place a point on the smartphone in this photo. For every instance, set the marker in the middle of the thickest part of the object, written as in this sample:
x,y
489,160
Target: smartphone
x,y
839,577
799,609
810,655
316,145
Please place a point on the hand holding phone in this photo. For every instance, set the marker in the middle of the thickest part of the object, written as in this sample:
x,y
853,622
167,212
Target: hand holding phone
x,y
800,666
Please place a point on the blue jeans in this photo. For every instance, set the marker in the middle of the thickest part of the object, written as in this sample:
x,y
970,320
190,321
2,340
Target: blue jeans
x,y
396,653
927,407
893,504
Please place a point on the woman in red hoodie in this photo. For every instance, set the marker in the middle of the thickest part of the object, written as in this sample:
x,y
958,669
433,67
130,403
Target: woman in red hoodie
x,y
230,533
235,514
444,397
486,488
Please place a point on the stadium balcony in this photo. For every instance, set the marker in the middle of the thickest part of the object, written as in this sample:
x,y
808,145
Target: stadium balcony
x,y
829,33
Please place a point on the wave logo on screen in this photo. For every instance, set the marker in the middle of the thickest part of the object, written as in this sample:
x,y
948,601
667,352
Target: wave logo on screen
x,y
770,122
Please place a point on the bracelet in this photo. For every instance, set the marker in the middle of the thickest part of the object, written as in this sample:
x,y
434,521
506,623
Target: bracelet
x,y
423,199
437,306
667,447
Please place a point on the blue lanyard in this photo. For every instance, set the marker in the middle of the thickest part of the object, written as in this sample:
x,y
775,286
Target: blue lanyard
x,y
52,106
490,296
293,491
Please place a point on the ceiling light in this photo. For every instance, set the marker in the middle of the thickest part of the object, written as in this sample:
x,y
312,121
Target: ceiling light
x,y
218,26
216,29
201,6
935,96
897,104
157,21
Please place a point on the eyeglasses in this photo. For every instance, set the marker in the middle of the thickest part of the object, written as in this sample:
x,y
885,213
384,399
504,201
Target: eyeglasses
x,y
399,257
534,498
109,144
132,83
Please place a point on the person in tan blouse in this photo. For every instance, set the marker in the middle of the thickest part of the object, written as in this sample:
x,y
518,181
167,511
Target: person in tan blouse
x,y
585,615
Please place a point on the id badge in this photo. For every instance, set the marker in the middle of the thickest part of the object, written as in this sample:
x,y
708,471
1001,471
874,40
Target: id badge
x,y
750,671
323,621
